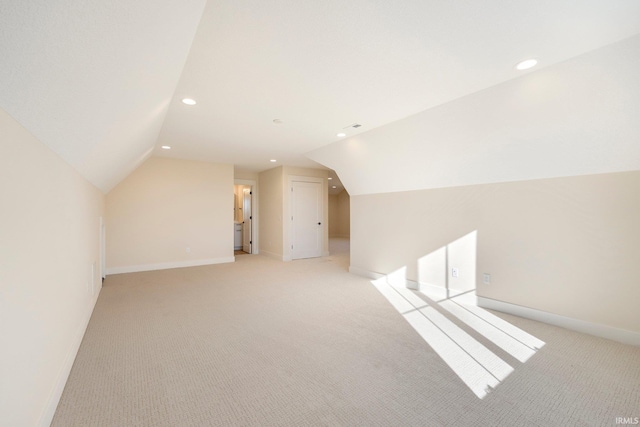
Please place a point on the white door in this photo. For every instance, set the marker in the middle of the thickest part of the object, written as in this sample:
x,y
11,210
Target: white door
x,y
306,219
246,220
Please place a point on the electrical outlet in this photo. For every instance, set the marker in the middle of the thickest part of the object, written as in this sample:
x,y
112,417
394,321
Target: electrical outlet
x,y
188,249
455,272
486,278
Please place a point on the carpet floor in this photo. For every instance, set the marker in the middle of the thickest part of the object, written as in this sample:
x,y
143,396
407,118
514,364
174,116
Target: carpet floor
x,y
261,342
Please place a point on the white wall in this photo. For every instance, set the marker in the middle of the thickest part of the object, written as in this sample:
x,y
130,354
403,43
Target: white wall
x,y
170,213
49,245
567,246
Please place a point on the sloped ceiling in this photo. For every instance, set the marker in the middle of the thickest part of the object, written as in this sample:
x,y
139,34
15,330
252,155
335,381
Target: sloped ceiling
x,y
321,66
93,79
101,82
575,118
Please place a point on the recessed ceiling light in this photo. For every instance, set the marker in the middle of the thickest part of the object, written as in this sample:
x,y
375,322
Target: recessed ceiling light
x,y
341,134
330,178
334,186
166,147
273,160
526,64
189,101
278,121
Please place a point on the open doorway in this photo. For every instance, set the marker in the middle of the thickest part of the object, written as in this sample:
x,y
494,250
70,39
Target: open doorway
x,y
244,218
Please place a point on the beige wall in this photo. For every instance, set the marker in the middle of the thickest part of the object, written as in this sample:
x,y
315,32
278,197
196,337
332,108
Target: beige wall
x,y
275,204
49,273
333,215
339,214
170,213
568,246
270,206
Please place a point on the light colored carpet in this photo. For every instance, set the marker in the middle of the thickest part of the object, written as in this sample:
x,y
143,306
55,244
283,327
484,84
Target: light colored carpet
x,y
264,343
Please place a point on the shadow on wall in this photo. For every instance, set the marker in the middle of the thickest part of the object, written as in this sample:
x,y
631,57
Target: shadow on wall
x,y
445,293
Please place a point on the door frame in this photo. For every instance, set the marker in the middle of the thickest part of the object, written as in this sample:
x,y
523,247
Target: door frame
x,y
254,211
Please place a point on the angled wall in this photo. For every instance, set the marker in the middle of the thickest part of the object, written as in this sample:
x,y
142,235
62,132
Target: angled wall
x,y
49,273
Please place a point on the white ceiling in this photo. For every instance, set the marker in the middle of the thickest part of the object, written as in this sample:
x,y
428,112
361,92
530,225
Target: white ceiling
x,y
101,82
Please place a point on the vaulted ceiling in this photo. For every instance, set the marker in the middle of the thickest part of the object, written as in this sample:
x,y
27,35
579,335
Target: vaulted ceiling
x,y
100,83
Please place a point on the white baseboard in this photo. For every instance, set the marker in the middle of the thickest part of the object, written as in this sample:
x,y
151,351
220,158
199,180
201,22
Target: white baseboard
x,y
599,330
63,375
168,265
365,273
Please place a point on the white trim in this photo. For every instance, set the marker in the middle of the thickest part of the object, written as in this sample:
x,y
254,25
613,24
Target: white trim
x,y
63,375
168,265
599,330
365,273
